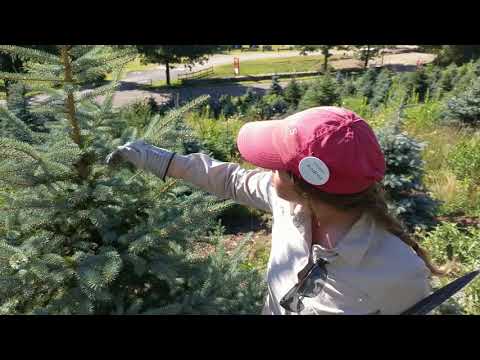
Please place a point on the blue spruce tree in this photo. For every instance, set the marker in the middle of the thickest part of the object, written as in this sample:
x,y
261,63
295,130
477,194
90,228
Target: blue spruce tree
x,y
77,237
408,197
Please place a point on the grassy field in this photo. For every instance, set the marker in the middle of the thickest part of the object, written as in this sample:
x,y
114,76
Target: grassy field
x,y
459,194
134,65
265,66
160,85
163,84
275,49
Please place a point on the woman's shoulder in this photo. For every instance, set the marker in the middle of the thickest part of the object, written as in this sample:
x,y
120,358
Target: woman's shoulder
x,y
396,260
397,276
394,247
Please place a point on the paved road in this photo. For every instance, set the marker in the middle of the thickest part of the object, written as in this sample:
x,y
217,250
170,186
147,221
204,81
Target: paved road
x,y
127,95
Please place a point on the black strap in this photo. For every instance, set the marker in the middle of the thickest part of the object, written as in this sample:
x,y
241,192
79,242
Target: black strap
x,y
426,305
168,165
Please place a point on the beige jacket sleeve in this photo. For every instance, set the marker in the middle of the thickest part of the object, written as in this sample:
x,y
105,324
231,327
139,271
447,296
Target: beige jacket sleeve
x,y
224,179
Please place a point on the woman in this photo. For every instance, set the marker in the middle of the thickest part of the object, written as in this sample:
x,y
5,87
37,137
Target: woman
x,y
335,248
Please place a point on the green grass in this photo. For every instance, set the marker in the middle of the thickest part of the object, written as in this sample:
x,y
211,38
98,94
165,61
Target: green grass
x,y
160,85
272,65
376,118
163,84
423,118
274,50
465,247
134,65
218,135
459,192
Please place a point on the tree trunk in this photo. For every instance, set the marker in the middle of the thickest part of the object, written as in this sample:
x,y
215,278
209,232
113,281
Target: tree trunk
x,y
82,165
325,53
167,72
7,84
367,57
70,102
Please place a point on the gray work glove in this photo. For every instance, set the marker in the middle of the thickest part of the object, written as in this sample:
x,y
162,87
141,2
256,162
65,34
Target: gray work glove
x,y
143,156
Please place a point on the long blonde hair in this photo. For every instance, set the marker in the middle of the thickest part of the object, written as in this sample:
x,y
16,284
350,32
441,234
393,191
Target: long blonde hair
x,y
373,201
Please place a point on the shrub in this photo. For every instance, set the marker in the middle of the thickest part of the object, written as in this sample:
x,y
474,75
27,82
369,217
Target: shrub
x,y
217,136
376,118
267,107
276,103
457,196
358,105
465,79
137,115
293,93
167,106
275,87
464,108
366,83
17,103
322,92
476,67
417,84
348,86
464,159
250,97
422,117
448,241
398,93
244,104
381,88
403,179
446,81
227,108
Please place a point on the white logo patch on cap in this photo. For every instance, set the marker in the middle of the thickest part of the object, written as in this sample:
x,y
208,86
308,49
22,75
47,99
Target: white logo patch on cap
x,y
314,170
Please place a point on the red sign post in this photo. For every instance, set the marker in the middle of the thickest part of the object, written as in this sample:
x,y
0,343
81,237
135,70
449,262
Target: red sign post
x,y
419,64
236,66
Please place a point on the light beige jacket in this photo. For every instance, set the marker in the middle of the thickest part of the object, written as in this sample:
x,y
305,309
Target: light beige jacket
x,y
370,271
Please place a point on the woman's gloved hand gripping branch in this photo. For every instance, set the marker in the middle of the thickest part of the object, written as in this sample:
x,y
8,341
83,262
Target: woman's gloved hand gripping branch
x,y
143,156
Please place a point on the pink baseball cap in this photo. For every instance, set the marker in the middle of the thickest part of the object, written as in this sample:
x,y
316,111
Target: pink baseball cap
x,y
329,147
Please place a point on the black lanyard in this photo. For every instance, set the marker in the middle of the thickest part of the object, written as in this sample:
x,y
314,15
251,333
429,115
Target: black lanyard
x,y
426,305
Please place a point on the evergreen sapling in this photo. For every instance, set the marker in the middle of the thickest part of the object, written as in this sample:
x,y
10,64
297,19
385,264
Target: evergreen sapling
x,y
78,237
